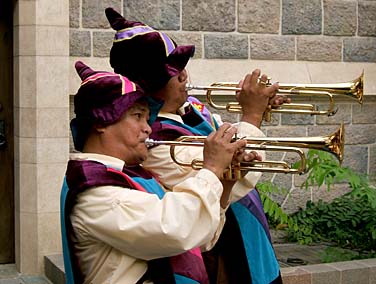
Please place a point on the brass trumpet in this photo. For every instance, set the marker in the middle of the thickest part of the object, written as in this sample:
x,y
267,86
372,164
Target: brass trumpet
x,y
333,143
352,89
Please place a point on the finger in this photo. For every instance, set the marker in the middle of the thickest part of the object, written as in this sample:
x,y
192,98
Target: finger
x,y
255,76
223,128
239,157
252,156
263,80
241,83
276,100
240,144
273,89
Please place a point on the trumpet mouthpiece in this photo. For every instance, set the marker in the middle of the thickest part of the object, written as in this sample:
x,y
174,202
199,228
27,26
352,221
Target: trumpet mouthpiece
x,y
150,142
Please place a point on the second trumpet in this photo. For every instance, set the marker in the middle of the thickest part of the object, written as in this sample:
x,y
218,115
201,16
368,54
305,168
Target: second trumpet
x,y
333,143
352,89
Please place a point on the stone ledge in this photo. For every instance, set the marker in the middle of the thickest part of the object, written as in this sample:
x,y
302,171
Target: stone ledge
x,y
54,268
356,271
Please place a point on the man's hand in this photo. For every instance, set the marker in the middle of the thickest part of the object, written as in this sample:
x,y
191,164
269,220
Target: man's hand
x,y
255,96
219,150
278,100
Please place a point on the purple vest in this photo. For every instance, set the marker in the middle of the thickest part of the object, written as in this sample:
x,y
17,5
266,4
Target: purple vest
x,y
82,175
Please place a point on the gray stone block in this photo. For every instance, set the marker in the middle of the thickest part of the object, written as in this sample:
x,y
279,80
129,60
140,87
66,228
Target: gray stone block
x,y
359,49
319,49
340,17
297,119
93,15
274,121
301,17
323,274
323,130
102,43
352,272
161,15
286,131
356,158
74,13
360,134
283,181
8,271
371,263
79,43
343,114
188,39
367,18
210,15
297,199
365,113
54,268
226,46
272,47
259,16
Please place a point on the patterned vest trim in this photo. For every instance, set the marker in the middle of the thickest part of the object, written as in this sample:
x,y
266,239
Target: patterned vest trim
x,y
82,175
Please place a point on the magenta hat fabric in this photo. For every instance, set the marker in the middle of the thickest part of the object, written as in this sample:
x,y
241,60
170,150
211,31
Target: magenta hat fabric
x,y
146,56
104,96
102,99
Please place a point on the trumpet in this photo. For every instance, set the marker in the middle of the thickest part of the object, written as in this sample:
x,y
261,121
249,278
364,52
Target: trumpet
x,y
332,143
352,89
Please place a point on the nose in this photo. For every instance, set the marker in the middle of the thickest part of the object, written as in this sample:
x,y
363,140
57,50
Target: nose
x,y
147,128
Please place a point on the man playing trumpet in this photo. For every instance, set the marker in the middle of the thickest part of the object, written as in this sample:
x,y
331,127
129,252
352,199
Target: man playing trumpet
x,y
244,252
119,225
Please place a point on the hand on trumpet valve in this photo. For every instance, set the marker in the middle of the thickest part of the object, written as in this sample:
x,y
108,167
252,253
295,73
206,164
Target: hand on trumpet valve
x,y
243,156
278,100
220,148
254,96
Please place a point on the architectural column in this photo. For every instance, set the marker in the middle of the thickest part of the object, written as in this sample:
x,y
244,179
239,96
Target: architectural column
x,y
41,112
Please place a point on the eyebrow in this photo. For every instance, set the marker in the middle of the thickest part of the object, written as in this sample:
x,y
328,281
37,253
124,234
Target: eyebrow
x,y
140,108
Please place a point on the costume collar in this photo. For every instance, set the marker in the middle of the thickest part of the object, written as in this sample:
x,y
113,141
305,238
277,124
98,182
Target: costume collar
x,y
171,116
108,161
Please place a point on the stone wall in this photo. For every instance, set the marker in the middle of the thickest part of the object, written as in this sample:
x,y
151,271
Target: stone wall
x,y
316,41
313,30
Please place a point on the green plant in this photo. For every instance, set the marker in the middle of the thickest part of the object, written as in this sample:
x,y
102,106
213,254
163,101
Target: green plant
x,y
322,169
349,221
334,254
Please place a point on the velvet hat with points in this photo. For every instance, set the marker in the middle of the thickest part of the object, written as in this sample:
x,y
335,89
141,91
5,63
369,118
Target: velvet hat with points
x,y
102,98
146,56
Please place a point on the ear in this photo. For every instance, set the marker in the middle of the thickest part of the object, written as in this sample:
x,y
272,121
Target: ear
x,y
99,128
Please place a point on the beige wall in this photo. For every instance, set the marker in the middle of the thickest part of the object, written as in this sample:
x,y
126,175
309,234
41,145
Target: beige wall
x,y
41,64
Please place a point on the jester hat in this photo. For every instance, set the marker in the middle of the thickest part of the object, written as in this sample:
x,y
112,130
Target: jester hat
x,y
146,56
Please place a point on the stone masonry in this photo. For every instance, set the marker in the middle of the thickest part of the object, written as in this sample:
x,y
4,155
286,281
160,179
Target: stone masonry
x,y
284,30
313,30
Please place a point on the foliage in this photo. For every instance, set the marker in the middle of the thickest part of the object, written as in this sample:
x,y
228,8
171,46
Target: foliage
x,y
334,254
348,221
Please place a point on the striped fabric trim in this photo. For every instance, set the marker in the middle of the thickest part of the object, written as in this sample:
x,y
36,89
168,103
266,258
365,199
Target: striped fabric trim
x,y
130,33
127,86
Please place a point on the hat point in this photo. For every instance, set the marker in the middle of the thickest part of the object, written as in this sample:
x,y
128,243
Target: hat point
x,y
116,20
83,70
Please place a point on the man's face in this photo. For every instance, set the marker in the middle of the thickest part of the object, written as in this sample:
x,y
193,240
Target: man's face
x,y
174,93
129,133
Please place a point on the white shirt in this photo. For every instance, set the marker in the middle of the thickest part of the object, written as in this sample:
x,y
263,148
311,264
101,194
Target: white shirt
x,y
159,160
118,229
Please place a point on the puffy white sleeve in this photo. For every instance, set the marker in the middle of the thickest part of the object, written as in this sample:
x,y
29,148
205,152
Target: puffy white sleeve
x,y
143,226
